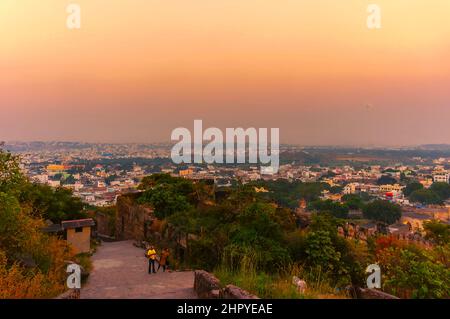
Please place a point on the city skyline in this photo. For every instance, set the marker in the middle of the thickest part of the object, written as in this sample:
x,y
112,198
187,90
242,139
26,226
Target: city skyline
x,y
313,69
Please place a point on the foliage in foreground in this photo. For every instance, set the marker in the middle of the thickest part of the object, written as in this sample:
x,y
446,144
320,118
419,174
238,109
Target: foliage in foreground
x,y
247,239
32,264
412,271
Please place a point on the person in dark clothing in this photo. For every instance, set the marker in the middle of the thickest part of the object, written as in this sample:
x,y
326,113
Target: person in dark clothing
x,y
163,260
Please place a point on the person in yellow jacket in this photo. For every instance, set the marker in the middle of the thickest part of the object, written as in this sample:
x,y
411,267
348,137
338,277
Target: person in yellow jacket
x,y
151,255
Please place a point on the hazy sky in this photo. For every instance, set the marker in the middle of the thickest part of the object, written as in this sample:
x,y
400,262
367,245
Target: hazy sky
x,y
137,69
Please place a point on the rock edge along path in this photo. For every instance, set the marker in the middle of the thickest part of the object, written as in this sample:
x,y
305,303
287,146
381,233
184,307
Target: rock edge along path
x,y
120,272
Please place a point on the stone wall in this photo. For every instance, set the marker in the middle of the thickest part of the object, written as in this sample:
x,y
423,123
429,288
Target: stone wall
x,y
70,294
103,222
132,221
233,292
207,286
80,241
365,293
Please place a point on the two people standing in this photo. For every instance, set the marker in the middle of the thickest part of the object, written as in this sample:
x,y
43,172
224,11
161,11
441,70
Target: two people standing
x,y
153,257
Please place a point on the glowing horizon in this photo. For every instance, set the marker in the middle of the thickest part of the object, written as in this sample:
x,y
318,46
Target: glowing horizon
x,y
135,71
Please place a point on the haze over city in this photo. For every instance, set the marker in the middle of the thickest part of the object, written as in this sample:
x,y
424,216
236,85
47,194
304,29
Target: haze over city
x,y
311,68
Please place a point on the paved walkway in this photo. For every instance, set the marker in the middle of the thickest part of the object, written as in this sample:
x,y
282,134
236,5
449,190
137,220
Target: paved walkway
x,y
120,272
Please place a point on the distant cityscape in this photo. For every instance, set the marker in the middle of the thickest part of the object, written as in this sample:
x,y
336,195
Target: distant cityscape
x,y
99,173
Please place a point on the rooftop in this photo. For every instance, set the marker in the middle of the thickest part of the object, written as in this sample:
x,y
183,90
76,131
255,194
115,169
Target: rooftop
x,y
67,224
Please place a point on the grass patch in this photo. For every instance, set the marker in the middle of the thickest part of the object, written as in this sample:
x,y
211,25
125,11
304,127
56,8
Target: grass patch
x,y
84,260
279,286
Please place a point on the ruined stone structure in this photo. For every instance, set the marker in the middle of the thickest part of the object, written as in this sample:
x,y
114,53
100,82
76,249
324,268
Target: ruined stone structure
x,y
365,293
78,233
133,221
233,292
207,286
70,294
138,222
105,228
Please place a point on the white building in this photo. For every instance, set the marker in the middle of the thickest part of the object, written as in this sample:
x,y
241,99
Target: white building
x,y
54,183
441,177
101,184
43,179
350,189
391,188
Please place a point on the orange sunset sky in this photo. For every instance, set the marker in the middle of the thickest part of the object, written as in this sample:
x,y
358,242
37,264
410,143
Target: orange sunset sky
x,y
137,69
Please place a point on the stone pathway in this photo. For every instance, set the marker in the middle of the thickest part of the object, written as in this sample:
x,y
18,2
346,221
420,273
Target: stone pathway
x,y
120,272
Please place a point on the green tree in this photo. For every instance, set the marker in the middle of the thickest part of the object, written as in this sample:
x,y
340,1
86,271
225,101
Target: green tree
x,y
165,201
110,179
441,189
311,191
55,204
157,179
425,196
386,179
438,232
320,251
13,225
11,177
404,178
288,194
324,221
353,201
68,180
257,235
383,211
168,194
412,187
346,265
336,189
411,272
336,209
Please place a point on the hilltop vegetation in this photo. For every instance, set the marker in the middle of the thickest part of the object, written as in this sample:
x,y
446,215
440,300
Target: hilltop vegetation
x,y
252,239
32,264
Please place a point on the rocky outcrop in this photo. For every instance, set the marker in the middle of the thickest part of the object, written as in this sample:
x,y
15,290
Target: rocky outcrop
x,y
105,224
233,292
365,293
133,221
70,294
207,286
